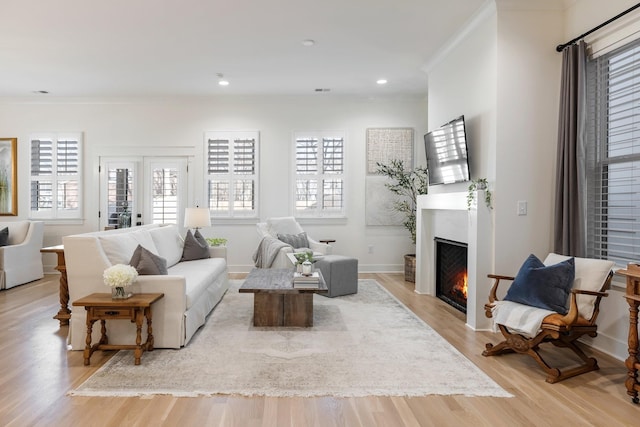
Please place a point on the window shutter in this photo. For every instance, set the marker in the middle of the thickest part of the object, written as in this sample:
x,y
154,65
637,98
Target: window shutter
x,y
613,155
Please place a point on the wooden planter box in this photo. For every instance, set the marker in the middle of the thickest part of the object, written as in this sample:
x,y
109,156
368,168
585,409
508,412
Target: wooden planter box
x,y
410,268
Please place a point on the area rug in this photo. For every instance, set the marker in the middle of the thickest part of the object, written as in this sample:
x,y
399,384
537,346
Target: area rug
x,y
366,344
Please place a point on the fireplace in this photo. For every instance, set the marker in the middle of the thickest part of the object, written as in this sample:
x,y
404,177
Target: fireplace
x,y
451,272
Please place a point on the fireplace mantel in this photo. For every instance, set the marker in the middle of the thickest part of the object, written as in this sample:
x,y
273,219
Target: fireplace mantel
x,y
479,250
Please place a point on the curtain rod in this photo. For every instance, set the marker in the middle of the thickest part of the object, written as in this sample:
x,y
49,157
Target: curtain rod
x,y
561,47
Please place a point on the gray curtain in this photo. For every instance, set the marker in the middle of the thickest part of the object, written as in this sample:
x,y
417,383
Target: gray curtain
x,y
570,197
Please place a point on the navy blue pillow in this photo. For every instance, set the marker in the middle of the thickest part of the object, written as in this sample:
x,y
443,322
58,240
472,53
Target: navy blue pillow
x,y
542,286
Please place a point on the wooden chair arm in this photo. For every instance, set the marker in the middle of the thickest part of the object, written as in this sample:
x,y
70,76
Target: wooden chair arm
x,y
572,315
494,288
594,293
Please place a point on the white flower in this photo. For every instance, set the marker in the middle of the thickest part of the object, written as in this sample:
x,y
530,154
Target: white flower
x,y
119,275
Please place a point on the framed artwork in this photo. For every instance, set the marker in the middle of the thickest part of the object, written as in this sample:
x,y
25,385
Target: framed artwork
x,y
386,144
8,176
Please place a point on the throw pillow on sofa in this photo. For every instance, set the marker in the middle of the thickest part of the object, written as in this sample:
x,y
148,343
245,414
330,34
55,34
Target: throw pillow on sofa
x,y
148,263
195,247
4,236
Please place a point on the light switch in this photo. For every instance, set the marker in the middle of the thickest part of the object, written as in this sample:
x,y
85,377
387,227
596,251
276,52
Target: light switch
x,y
522,207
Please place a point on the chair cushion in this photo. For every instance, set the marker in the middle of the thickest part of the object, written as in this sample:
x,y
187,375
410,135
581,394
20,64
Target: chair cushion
x,y
543,286
295,240
590,276
195,247
283,225
148,263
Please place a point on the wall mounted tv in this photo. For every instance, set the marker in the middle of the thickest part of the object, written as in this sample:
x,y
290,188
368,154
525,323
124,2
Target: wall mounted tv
x,y
446,149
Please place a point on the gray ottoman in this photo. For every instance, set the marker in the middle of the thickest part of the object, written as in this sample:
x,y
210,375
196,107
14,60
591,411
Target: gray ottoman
x,y
340,273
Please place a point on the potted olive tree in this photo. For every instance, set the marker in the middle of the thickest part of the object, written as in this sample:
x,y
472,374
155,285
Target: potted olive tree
x,y
408,184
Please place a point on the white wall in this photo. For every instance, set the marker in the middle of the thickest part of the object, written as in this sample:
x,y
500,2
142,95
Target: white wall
x,y
115,126
515,98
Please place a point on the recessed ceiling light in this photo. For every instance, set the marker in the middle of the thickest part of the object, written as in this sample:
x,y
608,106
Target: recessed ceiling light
x,y
308,42
221,80
40,92
381,81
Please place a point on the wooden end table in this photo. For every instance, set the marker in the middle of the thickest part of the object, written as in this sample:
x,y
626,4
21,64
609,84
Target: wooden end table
x,y
102,307
276,302
632,295
64,314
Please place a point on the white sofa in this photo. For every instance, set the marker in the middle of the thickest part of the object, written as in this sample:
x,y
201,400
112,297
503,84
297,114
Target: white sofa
x,y
21,260
287,225
191,289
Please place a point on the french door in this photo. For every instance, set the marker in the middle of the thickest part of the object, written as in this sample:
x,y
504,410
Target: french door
x,y
142,190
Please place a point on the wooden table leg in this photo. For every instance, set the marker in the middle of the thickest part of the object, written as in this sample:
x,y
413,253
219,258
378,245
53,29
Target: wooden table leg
x,y
137,354
64,314
147,313
632,361
87,348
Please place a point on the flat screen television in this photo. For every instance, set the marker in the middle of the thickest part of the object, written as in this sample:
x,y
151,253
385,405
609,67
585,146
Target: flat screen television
x,y
446,149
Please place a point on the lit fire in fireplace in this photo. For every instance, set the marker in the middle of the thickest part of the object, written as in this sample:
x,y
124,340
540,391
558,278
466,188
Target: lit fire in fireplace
x,y
459,288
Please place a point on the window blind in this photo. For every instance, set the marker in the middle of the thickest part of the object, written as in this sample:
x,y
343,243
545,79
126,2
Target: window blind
x,y
613,155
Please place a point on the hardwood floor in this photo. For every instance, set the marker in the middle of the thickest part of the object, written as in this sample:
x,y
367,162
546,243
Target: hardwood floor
x,y
37,371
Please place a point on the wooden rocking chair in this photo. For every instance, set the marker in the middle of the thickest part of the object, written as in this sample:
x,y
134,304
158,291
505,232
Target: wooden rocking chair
x,y
592,279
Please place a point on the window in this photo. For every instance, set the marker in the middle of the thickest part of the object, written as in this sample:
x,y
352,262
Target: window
x,y
56,176
613,155
232,173
319,174
142,190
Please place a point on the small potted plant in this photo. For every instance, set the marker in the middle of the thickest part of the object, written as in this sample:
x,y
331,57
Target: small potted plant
x,y
479,184
217,247
305,262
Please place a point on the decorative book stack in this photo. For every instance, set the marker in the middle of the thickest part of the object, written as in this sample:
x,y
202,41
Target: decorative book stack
x,y
306,281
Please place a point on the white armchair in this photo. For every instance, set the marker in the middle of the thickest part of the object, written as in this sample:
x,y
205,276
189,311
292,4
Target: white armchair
x,y
287,226
21,260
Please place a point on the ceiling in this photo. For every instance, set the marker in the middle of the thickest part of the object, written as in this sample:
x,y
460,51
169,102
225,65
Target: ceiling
x,y
178,47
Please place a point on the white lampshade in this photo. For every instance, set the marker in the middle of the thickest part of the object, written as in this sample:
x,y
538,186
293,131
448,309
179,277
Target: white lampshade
x,y
197,217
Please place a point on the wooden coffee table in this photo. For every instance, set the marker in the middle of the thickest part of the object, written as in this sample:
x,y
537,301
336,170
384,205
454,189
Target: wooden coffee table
x,y
276,302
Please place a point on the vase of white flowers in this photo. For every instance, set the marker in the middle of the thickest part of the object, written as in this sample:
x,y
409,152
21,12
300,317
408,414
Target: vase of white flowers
x,y
118,277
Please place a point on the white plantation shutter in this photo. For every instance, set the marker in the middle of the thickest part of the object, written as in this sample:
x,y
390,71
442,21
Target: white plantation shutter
x,y
613,153
55,176
319,174
232,173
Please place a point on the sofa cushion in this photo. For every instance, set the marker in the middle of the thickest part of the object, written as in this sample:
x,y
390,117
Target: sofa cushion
x,y
541,286
148,263
198,274
295,240
4,236
168,242
119,247
194,247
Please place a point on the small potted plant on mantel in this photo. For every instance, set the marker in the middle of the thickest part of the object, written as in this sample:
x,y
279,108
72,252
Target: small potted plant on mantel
x,y
409,184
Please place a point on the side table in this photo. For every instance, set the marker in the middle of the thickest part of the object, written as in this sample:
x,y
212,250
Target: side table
x,y
100,306
632,295
64,314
